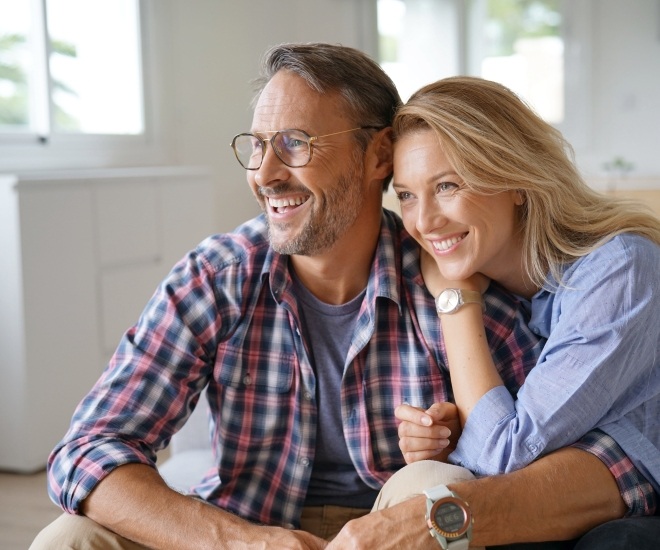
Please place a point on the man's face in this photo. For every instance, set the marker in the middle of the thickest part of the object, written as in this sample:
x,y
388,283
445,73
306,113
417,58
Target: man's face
x,y
308,208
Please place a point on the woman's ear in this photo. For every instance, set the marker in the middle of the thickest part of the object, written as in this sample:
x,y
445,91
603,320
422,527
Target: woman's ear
x,y
520,197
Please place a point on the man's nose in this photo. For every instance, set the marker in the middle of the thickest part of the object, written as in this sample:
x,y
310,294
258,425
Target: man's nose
x,y
272,169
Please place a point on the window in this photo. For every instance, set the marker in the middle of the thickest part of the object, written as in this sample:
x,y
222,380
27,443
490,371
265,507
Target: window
x,y
519,44
516,42
420,41
70,68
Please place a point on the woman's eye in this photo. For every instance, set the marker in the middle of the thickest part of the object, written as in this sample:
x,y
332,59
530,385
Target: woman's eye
x,y
403,196
447,186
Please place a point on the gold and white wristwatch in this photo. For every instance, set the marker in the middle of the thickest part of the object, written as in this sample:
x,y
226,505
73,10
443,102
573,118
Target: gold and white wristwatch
x,y
450,300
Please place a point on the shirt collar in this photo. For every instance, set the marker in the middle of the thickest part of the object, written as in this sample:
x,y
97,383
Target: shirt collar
x,y
385,271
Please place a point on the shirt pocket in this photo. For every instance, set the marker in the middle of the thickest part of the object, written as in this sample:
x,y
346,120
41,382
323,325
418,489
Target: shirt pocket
x,y
254,369
256,400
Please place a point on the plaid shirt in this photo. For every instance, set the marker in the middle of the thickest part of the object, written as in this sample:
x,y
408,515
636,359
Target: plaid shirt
x,y
226,319
636,491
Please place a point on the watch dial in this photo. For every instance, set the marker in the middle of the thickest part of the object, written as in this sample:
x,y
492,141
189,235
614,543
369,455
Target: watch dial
x,y
448,300
450,517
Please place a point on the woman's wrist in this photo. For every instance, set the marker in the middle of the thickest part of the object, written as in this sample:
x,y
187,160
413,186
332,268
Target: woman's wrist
x,y
451,300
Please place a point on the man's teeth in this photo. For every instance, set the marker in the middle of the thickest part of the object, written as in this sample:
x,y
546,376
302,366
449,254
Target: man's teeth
x,y
280,203
447,243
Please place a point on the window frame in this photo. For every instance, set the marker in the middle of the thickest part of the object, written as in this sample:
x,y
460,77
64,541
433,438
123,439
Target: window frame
x,y
25,151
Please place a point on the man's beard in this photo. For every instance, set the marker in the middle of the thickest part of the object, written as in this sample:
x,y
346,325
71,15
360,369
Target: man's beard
x,y
329,220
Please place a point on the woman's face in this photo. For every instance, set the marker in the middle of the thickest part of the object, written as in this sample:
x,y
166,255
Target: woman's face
x,y
465,232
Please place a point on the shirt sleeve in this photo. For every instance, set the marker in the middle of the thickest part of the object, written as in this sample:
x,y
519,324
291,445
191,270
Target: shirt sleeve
x,y
636,491
598,369
146,392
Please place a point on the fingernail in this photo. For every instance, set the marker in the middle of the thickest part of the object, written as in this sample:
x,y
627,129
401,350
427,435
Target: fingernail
x,y
444,432
426,421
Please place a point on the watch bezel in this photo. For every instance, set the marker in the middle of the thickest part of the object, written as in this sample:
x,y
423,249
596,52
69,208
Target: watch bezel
x,y
459,297
456,297
467,517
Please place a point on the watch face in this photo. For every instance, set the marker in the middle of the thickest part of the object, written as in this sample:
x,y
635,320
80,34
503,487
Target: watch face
x,y
447,300
450,518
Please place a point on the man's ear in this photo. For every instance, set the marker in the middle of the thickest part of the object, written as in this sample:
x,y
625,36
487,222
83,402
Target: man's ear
x,y
382,148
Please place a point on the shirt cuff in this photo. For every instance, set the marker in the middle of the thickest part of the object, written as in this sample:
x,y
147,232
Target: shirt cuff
x,y
636,491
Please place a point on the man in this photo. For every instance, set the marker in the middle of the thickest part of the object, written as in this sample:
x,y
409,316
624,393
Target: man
x,y
308,325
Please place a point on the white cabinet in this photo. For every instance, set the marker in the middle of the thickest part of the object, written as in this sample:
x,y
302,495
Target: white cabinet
x,y
80,255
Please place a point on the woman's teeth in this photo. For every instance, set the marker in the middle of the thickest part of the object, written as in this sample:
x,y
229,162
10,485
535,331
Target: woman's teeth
x,y
447,243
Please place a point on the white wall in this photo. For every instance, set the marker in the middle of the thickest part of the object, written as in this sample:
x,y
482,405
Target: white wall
x,y
624,86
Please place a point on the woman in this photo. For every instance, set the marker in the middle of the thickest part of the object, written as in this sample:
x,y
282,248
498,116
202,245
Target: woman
x,y
490,192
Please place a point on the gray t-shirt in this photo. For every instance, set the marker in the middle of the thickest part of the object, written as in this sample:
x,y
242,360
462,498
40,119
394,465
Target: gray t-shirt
x,y
328,330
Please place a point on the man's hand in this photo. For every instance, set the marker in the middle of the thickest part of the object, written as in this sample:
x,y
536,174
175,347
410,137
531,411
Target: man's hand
x,y
430,434
284,539
400,527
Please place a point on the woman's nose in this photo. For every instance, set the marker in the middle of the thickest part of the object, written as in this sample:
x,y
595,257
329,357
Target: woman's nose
x,y
429,216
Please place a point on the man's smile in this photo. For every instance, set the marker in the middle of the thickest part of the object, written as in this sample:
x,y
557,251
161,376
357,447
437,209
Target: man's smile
x,y
282,205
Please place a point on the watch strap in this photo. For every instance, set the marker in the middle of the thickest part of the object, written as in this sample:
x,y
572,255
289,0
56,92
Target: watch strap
x,y
472,297
438,492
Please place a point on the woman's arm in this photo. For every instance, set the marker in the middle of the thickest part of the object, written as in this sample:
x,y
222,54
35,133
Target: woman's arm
x,y
596,368
471,367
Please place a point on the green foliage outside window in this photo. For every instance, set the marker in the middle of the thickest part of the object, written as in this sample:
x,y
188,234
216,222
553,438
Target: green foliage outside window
x,y
14,92
515,19
13,83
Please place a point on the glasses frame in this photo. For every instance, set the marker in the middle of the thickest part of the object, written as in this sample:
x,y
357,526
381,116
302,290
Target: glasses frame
x,y
310,143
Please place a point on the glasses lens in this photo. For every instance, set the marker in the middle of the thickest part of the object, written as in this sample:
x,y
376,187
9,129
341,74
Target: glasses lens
x,y
249,150
292,146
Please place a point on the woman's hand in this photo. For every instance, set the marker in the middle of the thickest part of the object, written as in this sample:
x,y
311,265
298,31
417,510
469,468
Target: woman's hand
x,y
430,434
436,283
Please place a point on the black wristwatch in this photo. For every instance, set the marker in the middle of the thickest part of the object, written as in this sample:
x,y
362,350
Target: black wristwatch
x,y
449,518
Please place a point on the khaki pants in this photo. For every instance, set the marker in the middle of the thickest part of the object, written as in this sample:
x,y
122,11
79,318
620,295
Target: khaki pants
x,y
80,533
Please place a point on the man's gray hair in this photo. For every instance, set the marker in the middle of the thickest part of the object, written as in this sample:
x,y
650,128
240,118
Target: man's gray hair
x,y
370,96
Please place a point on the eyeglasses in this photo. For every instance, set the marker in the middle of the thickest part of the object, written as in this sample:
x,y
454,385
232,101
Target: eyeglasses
x,y
293,147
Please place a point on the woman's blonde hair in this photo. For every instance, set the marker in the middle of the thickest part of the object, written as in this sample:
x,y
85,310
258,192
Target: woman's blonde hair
x,y
495,142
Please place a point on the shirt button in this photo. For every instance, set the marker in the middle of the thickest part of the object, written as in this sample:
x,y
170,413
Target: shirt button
x,y
289,526
307,395
305,462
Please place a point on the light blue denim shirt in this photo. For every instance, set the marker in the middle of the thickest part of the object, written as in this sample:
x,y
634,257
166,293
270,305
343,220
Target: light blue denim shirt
x,y
600,368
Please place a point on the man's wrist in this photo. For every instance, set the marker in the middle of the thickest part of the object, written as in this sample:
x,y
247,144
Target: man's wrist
x,y
448,518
